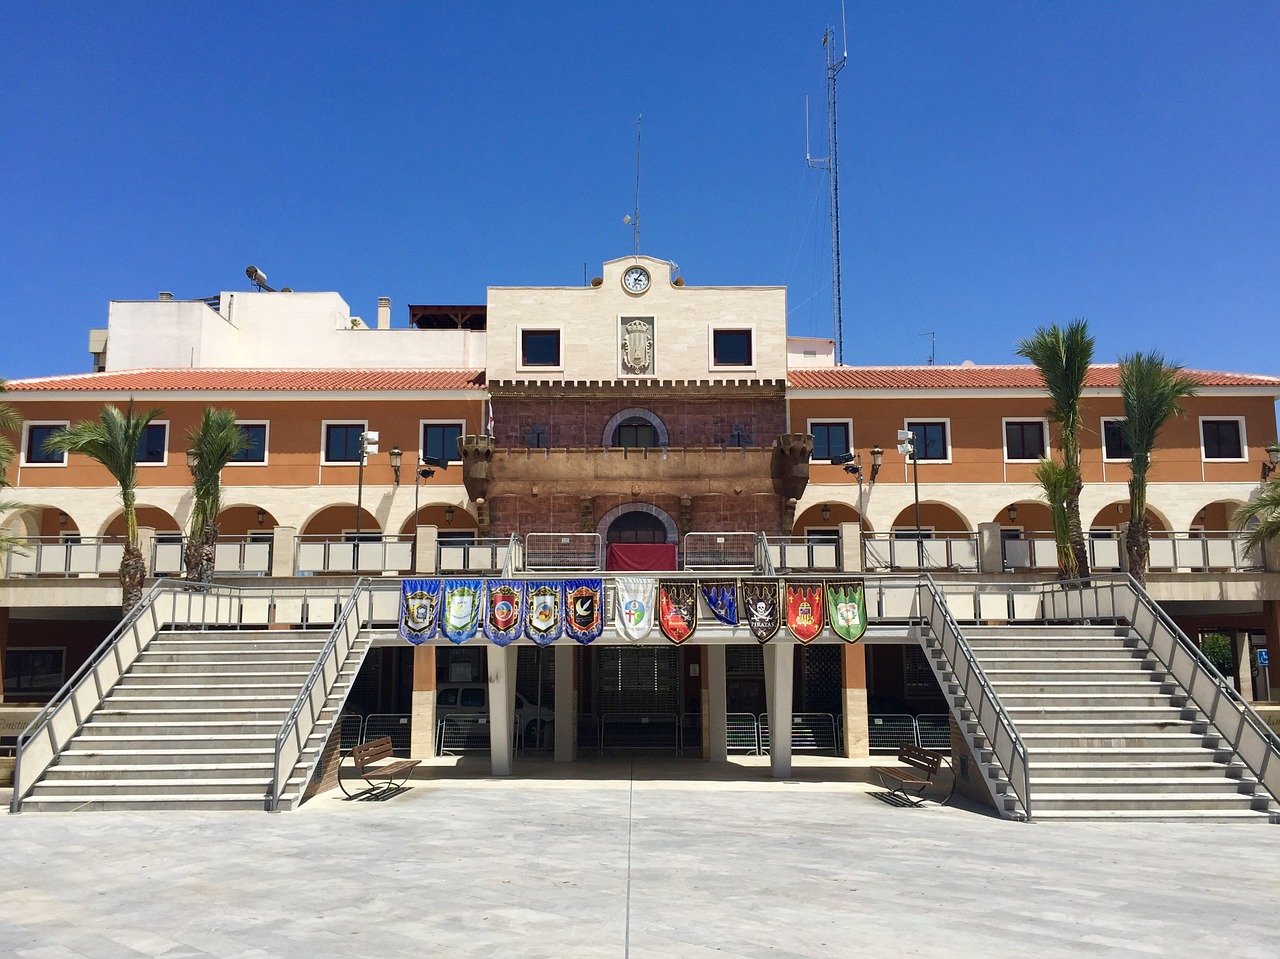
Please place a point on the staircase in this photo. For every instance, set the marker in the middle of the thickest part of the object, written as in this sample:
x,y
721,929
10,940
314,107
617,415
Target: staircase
x,y
1108,734
193,724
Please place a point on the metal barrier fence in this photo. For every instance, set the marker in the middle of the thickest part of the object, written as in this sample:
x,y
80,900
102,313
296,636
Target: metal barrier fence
x,y
940,550
462,732
350,731
1032,552
691,734
640,731
472,556
240,555
888,731
568,552
54,556
385,554
742,733
810,732
1201,552
933,731
797,554
588,731
720,551
395,725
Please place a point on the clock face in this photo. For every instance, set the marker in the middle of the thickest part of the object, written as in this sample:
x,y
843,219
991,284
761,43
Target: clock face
x,y
635,280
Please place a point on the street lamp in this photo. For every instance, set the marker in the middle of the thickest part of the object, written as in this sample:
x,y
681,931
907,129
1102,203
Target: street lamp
x,y
1273,460
907,447
852,463
396,454
368,446
426,469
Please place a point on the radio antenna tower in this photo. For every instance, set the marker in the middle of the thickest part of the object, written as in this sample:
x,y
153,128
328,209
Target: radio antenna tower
x,y
831,163
633,219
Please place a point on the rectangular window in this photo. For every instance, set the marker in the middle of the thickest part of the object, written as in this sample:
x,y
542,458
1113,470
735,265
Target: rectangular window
x,y
1024,440
731,348
34,453
931,439
1115,445
540,348
342,442
537,438
440,441
32,672
1223,439
830,439
256,451
153,445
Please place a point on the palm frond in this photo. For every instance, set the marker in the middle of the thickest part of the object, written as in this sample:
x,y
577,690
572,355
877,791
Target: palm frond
x,y
1152,390
8,542
1056,481
1062,355
216,442
10,422
1259,518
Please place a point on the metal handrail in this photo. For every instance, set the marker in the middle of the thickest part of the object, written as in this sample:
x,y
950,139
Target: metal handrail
x,y
42,720
1019,778
512,562
764,561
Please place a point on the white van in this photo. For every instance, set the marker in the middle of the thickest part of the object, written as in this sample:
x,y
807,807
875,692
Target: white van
x,y
470,698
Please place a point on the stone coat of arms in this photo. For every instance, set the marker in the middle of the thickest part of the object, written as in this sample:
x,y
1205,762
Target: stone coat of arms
x,y
637,347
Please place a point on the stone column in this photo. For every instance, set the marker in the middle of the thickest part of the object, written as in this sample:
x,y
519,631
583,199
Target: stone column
x,y
1244,665
284,556
424,549
502,704
857,733
1122,535
990,548
422,718
1271,618
779,673
566,702
717,703
851,547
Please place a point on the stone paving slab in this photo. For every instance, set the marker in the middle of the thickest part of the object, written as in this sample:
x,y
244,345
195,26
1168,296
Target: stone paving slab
x,y
661,864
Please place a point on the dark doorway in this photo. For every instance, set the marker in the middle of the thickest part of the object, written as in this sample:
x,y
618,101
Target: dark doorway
x,y
636,527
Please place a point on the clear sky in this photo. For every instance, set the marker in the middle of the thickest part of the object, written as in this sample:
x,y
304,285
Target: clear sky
x,y
1004,164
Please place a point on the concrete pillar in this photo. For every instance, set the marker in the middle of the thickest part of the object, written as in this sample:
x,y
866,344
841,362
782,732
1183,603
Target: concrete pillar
x,y
717,703
384,312
851,547
1122,534
857,732
502,705
4,644
1271,555
422,720
1271,620
566,702
424,549
284,551
146,545
990,548
1244,665
779,675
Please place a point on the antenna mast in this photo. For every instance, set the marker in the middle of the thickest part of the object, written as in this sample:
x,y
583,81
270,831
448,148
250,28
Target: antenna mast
x,y
831,163
635,217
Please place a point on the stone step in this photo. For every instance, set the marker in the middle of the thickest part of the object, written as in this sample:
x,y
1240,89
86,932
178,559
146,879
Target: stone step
x,y
1167,770
1139,683
1058,653
1135,801
1064,725
205,667
1088,701
195,717
1055,786
1091,742
1116,712
1178,750
215,698
87,802
206,754
291,677
222,644
225,729
1001,676
1036,631
1016,661
224,657
1156,815
63,771
163,788
134,688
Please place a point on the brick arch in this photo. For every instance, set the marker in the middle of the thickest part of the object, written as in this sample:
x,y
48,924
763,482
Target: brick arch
x,y
602,527
635,412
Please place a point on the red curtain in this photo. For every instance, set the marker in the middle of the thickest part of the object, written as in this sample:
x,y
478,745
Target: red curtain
x,y
640,557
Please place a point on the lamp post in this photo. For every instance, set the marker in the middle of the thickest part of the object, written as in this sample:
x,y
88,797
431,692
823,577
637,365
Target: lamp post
x,y
907,447
368,446
852,463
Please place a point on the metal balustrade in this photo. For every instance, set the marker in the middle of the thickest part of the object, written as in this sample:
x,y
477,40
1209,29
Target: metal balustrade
x,y
721,551
58,556
473,557
380,555
1030,552
563,552
1200,552
941,551
798,554
232,555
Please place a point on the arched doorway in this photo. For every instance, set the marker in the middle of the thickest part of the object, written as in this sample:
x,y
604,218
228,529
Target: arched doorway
x,y
638,536
636,527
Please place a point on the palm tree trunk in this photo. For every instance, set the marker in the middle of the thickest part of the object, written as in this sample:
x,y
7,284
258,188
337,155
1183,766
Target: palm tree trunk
x,y
208,537
1137,540
133,572
1079,547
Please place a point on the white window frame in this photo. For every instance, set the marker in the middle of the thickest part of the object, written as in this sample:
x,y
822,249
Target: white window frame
x,y
165,461
26,427
324,445
266,442
1102,440
538,328
1244,441
714,328
422,428
847,421
906,425
1004,435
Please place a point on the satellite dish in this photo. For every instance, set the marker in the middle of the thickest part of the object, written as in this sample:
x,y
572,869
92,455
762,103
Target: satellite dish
x,y
627,219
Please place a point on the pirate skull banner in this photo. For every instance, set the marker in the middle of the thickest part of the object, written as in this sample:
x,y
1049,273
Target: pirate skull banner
x,y
543,622
677,609
503,610
583,609
419,606
721,597
760,607
633,605
847,608
460,609
805,610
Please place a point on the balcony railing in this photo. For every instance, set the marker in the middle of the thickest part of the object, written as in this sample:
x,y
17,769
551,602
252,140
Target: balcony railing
x,y
943,550
721,551
563,552
1201,552
374,555
795,554
54,556
232,556
487,556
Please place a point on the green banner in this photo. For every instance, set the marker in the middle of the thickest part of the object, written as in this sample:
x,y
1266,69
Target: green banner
x,y
847,608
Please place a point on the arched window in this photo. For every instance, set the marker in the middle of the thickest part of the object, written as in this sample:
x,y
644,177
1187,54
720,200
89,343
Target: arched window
x,y
635,433
637,527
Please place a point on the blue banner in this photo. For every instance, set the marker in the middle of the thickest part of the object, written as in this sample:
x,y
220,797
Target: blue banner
x,y
419,610
503,610
544,619
583,609
721,597
460,609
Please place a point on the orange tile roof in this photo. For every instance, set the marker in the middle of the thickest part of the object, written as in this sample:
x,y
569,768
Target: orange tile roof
x,y
1025,377
128,381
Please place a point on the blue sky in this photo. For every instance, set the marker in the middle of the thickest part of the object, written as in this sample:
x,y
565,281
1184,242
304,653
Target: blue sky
x,y
1004,164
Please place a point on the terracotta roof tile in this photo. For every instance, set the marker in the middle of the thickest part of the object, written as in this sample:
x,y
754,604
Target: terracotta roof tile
x,y
128,381
1102,376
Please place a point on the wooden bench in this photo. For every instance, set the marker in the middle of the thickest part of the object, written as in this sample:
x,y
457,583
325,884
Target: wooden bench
x,y
366,755
925,760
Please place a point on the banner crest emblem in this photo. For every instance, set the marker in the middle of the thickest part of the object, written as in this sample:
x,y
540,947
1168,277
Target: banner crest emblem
x,y
584,609
633,605
419,609
760,608
543,623
805,611
721,597
503,610
460,609
678,610
847,608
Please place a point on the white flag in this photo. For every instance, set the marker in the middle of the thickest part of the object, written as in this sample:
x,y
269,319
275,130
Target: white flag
x,y
635,606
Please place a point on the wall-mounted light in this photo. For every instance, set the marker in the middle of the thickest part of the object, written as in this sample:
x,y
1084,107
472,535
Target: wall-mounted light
x,y
1013,513
1120,509
1273,460
262,516
396,455
877,460
62,519
193,460
448,515
826,513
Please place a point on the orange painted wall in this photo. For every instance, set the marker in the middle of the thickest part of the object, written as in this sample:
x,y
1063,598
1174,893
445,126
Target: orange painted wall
x,y
977,438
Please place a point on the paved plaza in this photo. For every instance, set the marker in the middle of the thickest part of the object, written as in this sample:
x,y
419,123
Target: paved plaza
x,y
646,859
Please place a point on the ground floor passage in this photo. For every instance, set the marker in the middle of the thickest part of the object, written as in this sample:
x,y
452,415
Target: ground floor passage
x,y
637,864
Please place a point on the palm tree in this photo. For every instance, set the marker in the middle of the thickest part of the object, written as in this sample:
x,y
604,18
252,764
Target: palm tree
x,y
1057,480
1153,391
1063,356
1260,517
113,440
214,445
10,422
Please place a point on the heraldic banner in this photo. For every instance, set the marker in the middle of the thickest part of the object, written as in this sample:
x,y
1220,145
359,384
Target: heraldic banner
x,y
633,605
760,608
419,604
677,609
583,609
460,609
847,608
804,611
721,597
503,610
543,622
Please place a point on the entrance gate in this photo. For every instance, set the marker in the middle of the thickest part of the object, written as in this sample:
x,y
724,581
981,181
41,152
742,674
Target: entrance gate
x,y
633,697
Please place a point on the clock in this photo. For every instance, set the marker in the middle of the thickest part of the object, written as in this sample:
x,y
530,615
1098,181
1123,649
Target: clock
x,y
635,280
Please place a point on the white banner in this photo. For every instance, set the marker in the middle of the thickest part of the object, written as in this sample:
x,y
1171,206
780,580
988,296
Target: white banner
x,y
635,606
